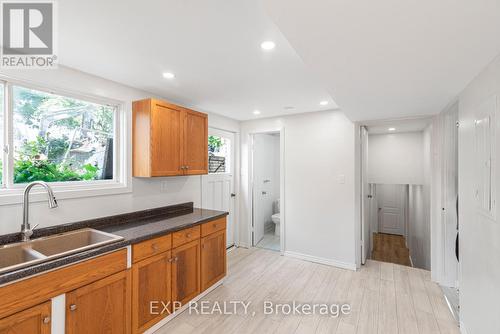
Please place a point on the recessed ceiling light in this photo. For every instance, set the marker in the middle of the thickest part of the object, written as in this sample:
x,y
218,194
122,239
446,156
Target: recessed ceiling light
x,y
168,75
323,103
268,45
256,112
392,129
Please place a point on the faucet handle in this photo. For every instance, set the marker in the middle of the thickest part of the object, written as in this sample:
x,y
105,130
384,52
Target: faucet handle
x,y
34,227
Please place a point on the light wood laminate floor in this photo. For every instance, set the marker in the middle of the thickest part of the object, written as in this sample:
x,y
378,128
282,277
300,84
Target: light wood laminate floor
x,y
385,298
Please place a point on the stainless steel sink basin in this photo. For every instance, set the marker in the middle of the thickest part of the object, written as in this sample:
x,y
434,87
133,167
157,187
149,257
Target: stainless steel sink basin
x,y
23,254
13,256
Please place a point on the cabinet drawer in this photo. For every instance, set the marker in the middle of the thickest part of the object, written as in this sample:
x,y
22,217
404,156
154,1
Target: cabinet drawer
x,y
186,235
151,247
213,226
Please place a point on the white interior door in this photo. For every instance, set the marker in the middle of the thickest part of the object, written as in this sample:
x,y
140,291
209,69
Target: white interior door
x,y
218,185
391,200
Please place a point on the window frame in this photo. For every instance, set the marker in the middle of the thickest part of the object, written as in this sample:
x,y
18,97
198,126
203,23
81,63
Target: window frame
x,y
11,193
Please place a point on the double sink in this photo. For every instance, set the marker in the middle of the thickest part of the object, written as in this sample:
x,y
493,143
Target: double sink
x,y
24,254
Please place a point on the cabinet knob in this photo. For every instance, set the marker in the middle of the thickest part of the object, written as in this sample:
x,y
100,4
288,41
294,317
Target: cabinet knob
x,y
171,260
215,225
46,320
72,307
188,235
154,247
176,259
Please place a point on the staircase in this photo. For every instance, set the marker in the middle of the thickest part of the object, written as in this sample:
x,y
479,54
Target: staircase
x,y
390,248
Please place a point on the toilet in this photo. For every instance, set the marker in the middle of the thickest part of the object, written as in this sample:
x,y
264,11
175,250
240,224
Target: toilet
x,y
276,218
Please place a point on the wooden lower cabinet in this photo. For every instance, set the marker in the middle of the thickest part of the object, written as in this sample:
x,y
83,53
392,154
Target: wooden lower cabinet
x,y
186,272
213,259
35,320
151,284
100,307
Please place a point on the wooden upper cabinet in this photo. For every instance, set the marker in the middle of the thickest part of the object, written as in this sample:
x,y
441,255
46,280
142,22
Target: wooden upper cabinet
x,y
195,143
35,320
100,307
168,140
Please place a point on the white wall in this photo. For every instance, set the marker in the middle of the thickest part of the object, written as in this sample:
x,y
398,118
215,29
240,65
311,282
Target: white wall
x,y
146,193
266,165
419,240
319,204
396,158
479,233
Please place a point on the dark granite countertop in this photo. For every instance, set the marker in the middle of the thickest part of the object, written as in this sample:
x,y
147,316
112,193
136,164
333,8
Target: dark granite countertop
x,y
134,227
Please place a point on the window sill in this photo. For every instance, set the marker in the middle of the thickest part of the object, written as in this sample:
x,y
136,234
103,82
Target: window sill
x,y
64,191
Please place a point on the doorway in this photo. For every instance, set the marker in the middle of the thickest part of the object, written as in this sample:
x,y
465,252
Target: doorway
x,y
218,185
395,191
266,191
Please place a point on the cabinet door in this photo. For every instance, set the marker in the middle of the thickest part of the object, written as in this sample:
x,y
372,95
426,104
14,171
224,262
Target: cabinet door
x,y
195,143
151,281
166,140
213,259
100,307
186,272
35,320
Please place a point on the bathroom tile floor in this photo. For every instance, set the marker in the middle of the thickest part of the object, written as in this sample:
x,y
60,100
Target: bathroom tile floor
x,y
269,241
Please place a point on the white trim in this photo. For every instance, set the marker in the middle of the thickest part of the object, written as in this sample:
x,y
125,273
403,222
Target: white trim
x,y
58,314
129,256
184,307
321,260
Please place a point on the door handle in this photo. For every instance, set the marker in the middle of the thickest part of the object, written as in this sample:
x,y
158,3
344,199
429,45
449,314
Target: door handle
x,y
264,193
233,195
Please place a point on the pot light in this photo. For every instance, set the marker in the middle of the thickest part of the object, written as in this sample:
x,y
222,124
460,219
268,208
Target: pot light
x,y
323,103
168,75
392,129
268,45
256,112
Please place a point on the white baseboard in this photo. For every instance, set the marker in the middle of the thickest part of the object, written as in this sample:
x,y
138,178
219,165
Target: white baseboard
x,y
328,262
163,322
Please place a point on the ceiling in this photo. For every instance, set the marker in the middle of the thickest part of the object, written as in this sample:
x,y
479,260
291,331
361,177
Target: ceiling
x,y
391,58
397,125
213,48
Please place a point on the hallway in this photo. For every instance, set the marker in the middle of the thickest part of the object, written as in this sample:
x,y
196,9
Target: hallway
x,y
390,248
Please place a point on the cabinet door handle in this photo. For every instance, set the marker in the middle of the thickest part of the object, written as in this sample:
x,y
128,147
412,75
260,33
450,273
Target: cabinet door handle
x,y
187,167
46,320
188,235
171,260
72,307
215,225
154,247
176,259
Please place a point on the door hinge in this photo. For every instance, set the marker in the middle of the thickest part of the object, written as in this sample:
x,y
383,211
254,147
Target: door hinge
x,y
6,149
458,124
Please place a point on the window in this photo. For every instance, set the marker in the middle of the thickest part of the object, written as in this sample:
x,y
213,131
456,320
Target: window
x,y
219,154
57,138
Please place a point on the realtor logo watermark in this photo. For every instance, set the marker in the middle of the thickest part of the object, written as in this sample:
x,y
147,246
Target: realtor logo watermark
x,y
28,34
